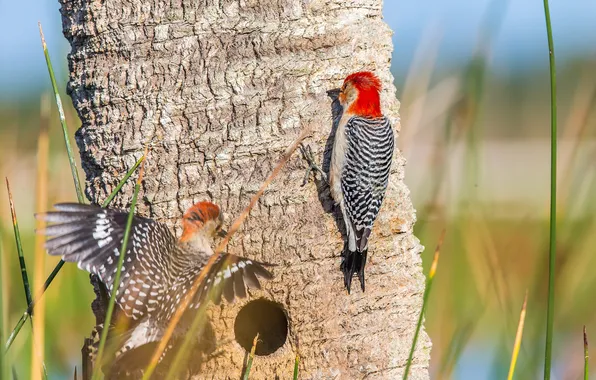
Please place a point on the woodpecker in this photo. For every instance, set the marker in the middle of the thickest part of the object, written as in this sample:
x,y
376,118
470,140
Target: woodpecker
x,y
158,269
360,165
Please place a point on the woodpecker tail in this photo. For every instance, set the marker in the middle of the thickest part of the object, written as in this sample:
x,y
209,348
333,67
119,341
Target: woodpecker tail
x,y
89,351
129,360
353,262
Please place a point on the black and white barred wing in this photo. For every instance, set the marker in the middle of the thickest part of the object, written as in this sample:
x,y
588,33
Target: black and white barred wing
x,y
92,237
369,150
230,275
227,275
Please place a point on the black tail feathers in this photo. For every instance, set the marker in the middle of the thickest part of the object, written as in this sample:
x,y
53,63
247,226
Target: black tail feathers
x,y
353,262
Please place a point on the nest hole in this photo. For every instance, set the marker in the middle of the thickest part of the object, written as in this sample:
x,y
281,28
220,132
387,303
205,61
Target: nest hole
x,y
266,318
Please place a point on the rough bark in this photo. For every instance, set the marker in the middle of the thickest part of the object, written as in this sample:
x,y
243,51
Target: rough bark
x,y
221,87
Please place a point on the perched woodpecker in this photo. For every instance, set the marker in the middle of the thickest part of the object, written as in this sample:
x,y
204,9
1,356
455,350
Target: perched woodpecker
x,y
360,164
158,269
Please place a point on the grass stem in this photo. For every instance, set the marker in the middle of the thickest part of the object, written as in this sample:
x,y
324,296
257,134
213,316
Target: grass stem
x,y
586,355
17,236
16,330
114,192
114,291
296,364
429,282
553,198
251,357
24,275
518,338
71,160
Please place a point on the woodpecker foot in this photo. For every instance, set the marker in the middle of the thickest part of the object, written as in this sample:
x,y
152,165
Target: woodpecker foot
x,y
353,263
312,166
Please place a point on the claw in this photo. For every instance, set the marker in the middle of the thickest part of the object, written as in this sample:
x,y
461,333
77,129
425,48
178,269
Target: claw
x,y
306,175
308,156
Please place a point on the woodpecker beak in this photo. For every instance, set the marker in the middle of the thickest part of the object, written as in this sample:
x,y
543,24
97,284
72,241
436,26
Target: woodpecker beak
x,y
222,233
334,94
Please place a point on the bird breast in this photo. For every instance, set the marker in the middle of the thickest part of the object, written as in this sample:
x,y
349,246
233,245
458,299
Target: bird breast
x,y
338,158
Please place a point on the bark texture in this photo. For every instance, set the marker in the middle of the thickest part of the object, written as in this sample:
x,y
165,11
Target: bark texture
x,y
221,87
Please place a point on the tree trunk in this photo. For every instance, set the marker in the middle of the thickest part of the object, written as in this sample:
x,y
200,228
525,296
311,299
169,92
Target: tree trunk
x,y
221,88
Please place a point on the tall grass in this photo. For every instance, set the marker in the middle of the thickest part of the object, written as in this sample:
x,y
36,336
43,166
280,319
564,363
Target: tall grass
x,y
518,338
19,245
24,277
114,290
296,364
553,198
586,356
71,159
75,176
251,357
427,290
28,312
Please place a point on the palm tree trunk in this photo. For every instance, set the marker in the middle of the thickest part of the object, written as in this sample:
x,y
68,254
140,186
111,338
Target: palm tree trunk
x,y
220,88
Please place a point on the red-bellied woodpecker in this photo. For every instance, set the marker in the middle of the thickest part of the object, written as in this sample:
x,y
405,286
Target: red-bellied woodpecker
x,y
360,165
158,269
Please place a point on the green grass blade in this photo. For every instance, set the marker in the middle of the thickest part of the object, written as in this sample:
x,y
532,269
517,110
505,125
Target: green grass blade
x,y
586,355
16,330
296,364
110,310
22,265
122,182
71,160
429,283
47,283
17,236
553,198
60,264
251,357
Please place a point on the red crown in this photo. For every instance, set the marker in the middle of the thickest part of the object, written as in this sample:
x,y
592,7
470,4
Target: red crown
x,y
202,212
364,81
368,103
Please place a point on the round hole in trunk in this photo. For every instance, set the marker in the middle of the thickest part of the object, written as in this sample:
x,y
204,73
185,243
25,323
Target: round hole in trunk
x,y
266,318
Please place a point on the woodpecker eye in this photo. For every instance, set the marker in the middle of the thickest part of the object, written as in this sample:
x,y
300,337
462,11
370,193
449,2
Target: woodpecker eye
x,y
195,217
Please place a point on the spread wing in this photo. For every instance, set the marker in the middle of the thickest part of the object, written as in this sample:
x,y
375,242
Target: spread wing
x,y
92,237
364,179
224,274
230,275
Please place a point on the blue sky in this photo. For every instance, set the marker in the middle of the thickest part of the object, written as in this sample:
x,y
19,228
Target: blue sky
x,y
520,40
519,43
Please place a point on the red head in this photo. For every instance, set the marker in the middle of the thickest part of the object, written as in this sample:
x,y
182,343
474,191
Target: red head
x,y
359,94
204,218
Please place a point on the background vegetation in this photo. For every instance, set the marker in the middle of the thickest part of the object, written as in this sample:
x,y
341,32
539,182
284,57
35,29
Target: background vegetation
x,y
475,131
